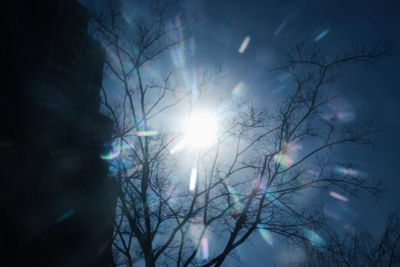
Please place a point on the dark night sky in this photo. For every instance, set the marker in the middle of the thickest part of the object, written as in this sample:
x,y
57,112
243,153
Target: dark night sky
x,y
372,92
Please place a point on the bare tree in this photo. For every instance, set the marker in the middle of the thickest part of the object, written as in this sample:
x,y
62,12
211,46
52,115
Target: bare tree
x,y
185,204
358,248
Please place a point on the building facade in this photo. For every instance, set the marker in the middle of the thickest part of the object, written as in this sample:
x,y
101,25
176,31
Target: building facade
x,y
55,194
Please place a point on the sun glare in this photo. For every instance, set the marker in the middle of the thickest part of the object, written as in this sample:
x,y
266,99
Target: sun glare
x,y
201,129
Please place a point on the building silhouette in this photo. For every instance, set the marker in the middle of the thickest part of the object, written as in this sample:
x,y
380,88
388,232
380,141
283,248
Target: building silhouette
x,y
56,199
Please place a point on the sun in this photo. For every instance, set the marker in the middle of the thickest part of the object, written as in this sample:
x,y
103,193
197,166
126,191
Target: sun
x,y
200,129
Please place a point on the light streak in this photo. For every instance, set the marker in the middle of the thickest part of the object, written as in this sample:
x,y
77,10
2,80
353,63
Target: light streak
x,y
147,133
266,235
204,248
193,177
338,196
244,44
321,35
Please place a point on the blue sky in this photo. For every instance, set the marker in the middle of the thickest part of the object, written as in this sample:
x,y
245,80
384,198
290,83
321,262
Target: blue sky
x,y
367,92
371,92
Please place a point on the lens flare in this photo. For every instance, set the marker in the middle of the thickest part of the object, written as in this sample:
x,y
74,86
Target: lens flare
x,y
321,35
284,160
338,113
345,116
285,157
201,129
147,133
244,44
204,248
178,147
126,13
347,171
196,228
266,235
178,24
178,57
193,177
315,240
110,154
238,89
338,196
112,56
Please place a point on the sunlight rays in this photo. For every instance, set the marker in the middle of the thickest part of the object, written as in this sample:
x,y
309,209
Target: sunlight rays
x,y
200,129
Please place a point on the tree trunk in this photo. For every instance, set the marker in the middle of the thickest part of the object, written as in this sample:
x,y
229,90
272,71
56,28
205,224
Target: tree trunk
x,y
149,261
